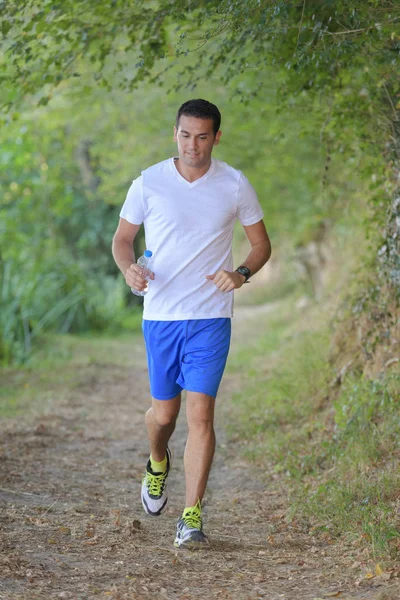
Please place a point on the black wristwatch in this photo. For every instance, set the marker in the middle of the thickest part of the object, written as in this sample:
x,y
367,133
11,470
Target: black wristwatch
x,y
245,272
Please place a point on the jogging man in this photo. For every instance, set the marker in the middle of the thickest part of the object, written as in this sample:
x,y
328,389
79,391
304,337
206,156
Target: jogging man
x,y
188,205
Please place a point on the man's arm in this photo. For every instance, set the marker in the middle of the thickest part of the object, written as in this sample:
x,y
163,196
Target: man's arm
x,y
124,256
260,244
260,253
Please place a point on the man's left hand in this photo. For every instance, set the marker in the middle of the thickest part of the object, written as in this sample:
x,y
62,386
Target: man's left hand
x,y
226,281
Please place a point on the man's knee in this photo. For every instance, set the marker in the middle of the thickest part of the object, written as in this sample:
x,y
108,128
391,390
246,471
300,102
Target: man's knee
x,y
164,413
164,419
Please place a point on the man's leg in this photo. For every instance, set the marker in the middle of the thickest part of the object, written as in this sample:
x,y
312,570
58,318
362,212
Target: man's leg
x,y
198,457
200,444
160,423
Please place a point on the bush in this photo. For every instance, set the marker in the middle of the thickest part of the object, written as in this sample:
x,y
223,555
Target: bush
x,y
53,296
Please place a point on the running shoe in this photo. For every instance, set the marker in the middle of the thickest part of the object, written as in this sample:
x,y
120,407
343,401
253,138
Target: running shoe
x,y
154,488
189,530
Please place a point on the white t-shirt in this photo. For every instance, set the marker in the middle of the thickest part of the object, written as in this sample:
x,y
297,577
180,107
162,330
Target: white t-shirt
x,y
189,229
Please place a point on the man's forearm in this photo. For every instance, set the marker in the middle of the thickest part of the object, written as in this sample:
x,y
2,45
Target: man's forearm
x,y
123,255
258,256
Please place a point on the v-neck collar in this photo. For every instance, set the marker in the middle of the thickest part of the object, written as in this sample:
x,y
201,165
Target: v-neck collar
x,y
196,181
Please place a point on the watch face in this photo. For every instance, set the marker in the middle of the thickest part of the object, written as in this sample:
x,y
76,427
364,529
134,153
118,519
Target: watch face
x,y
244,271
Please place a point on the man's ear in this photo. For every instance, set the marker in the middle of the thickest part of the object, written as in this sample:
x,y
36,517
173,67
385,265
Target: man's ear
x,y
175,133
217,137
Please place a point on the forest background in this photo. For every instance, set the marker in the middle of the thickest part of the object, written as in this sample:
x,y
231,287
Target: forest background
x,y
310,97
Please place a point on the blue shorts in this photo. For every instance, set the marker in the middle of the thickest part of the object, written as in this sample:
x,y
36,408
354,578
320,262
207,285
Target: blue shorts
x,y
188,355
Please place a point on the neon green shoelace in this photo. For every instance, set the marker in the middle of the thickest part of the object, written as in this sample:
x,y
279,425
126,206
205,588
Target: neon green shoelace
x,y
192,518
155,483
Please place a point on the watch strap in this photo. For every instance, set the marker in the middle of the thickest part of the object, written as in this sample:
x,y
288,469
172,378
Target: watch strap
x,y
245,271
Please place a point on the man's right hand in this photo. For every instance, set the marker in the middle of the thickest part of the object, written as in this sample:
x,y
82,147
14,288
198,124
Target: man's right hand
x,y
135,277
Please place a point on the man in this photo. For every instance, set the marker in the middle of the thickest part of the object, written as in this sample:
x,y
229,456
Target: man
x,y
189,205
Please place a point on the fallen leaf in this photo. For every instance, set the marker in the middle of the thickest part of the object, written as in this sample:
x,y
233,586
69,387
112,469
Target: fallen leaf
x,y
395,574
133,527
90,530
65,530
136,524
378,570
92,542
369,575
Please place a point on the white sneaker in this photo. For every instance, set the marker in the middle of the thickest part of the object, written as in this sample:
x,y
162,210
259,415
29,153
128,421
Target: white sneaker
x,y
189,530
154,488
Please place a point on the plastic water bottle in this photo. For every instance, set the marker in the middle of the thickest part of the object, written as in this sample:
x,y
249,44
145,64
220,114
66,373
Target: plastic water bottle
x,y
146,263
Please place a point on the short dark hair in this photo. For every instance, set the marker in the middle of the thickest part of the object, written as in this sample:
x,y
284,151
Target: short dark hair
x,y
201,109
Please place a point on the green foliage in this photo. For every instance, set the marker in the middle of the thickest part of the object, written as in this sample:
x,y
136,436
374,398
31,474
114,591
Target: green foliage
x,y
309,93
360,478
65,170
345,53
311,44
336,63
45,42
56,269
36,297
25,310
341,456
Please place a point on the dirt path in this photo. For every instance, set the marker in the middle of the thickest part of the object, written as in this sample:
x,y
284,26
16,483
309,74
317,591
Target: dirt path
x,y
72,525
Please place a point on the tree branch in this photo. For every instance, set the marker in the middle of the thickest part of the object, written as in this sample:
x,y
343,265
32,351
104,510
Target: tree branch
x,y
347,31
395,116
301,23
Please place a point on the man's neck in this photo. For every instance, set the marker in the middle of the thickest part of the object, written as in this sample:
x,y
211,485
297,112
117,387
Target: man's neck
x,y
190,173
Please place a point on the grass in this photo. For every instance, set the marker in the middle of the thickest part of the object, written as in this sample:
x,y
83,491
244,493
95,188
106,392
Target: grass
x,y
287,372
357,489
59,366
338,445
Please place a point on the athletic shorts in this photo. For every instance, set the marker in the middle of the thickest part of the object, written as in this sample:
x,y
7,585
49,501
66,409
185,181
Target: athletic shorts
x,y
188,355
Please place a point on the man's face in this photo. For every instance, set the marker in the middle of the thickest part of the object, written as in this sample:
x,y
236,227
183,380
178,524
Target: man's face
x,y
195,139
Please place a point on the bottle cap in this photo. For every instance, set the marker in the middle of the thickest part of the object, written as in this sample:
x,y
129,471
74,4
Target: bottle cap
x,y
148,253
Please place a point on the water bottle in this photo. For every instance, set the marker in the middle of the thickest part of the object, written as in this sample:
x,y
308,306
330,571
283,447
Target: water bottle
x,y
146,263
